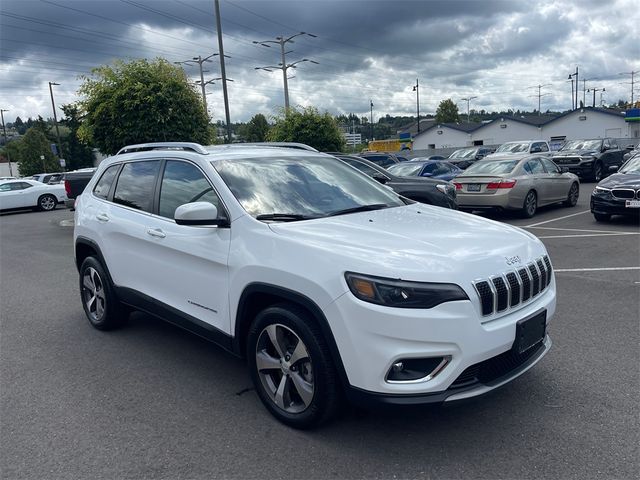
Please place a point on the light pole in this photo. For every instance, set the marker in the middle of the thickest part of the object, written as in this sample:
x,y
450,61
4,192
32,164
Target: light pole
x,y
571,80
371,121
199,61
223,70
632,73
540,94
416,88
571,75
283,65
594,90
55,119
468,100
5,140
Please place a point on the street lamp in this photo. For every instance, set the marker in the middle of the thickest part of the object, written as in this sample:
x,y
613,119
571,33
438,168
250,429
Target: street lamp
x,y
416,88
574,105
371,121
594,90
55,119
468,100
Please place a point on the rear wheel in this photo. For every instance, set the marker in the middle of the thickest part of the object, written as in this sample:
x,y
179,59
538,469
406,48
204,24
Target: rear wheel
x,y
572,197
100,304
47,202
602,217
530,205
291,367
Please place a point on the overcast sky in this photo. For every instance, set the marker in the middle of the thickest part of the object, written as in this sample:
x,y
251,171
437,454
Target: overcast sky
x,y
497,51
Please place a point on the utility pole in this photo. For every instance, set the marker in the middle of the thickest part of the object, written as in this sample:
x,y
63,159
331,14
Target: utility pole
x,y
199,61
223,71
594,90
571,75
55,119
283,65
371,121
540,94
468,100
416,88
632,73
5,140
572,104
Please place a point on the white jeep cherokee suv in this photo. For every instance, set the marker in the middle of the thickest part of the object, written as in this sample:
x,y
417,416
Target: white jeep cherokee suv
x,y
328,282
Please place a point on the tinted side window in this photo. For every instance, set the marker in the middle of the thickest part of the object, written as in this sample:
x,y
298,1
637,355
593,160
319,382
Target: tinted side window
x,y
135,184
543,146
20,186
550,166
103,186
534,166
184,183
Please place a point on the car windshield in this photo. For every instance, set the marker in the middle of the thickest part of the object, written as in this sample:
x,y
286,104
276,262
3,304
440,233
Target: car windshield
x,y
582,145
465,153
407,169
306,186
632,166
491,168
513,147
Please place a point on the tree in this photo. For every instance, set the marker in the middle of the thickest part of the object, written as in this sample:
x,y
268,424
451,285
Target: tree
x,y
256,130
310,127
447,112
19,125
140,102
32,146
78,155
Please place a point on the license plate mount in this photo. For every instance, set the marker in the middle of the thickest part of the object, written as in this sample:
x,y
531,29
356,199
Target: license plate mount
x,y
530,332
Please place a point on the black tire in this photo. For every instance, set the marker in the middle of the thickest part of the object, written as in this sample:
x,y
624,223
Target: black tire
x,y
602,217
47,202
104,312
572,196
597,173
301,405
530,204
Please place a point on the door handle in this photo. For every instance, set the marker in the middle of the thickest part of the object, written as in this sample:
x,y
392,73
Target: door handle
x,y
102,217
156,232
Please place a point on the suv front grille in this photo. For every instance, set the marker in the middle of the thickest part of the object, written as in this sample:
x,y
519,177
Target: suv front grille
x,y
567,160
509,289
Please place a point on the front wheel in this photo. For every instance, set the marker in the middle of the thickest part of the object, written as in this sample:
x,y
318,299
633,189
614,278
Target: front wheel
x,y
530,205
572,197
597,172
47,202
291,367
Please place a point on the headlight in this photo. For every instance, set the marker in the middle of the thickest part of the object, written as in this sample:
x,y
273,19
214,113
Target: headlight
x,y
602,190
446,188
402,294
588,159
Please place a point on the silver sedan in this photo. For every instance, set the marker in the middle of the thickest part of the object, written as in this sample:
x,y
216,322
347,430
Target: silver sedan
x,y
522,184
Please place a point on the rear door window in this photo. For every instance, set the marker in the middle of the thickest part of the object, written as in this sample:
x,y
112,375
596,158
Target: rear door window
x,y
136,183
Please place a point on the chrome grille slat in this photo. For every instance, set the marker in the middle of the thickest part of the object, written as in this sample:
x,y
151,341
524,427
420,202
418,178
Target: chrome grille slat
x,y
501,292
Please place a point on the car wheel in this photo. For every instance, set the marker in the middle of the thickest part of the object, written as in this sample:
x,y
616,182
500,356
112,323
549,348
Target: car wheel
x,y
100,304
47,202
597,172
602,217
291,367
572,197
530,205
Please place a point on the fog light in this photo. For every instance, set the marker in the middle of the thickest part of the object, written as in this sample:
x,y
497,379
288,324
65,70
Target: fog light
x,y
416,369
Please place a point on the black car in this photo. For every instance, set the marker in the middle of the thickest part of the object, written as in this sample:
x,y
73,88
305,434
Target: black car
x,y
619,194
467,156
424,190
380,158
591,159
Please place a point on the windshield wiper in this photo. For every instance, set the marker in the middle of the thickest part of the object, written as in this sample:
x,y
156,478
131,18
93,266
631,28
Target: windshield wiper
x,y
361,208
283,217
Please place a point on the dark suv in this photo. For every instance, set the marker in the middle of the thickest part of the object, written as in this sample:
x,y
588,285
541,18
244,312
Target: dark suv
x,y
590,159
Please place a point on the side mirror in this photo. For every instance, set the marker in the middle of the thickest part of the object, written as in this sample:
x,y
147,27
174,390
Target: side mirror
x,y
199,214
605,148
426,174
614,168
479,156
380,178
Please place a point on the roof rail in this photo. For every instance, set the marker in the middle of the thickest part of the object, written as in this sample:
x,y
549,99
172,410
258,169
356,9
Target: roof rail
x,y
299,146
141,147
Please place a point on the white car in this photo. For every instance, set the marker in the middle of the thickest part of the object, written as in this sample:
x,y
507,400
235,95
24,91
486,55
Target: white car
x,y
22,193
325,280
521,149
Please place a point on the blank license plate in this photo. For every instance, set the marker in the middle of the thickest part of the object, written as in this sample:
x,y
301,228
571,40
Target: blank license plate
x,y
632,204
473,187
530,332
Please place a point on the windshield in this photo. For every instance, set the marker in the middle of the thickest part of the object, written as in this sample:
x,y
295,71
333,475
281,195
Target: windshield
x,y
465,153
492,168
582,145
513,147
295,188
632,166
407,169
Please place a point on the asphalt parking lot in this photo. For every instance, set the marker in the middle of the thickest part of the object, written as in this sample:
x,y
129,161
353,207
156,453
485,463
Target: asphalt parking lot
x,y
151,401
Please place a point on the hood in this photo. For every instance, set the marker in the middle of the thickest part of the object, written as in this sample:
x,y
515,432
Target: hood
x,y
416,242
621,180
573,153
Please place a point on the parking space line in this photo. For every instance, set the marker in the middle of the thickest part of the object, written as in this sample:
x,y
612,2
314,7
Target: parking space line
x,y
579,230
556,219
602,269
591,235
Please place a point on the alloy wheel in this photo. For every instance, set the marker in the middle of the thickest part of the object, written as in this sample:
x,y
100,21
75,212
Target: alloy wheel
x,y
47,203
573,195
93,294
284,368
597,172
530,204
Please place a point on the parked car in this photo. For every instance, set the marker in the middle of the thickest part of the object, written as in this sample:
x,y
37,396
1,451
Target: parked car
x,y
426,168
591,159
521,184
466,156
50,178
380,158
74,183
326,281
425,190
27,193
631,152
521,149
618,194
8,178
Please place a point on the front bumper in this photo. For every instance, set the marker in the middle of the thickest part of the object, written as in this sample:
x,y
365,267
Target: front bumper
x,y
371,338
607,205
